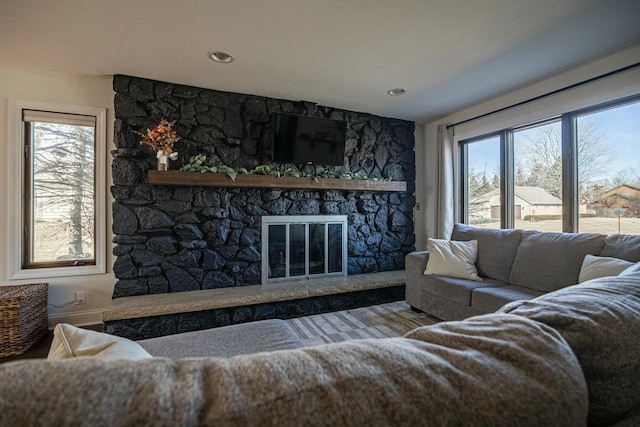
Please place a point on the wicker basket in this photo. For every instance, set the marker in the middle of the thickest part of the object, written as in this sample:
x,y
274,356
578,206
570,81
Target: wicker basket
x,y
23,317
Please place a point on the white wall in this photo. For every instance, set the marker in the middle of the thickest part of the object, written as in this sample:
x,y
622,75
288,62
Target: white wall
x,y
615,87
66,89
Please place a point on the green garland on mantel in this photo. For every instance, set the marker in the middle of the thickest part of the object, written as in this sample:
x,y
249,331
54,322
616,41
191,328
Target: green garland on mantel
x,y
196,164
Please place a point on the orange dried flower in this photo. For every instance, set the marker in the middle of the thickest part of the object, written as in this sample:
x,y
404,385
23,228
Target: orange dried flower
x,y
161,138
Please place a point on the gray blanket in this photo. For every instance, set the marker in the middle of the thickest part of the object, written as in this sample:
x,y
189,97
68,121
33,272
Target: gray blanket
x,y
600,320
492,370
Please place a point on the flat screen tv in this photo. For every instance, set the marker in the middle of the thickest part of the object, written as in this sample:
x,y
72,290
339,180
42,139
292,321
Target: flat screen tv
x,y
303,139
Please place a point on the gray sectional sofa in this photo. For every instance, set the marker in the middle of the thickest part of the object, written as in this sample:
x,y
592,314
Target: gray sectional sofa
x,y
514,265
566,358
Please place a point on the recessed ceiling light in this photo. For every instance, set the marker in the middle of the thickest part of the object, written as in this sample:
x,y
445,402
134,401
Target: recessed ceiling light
x,y
396,91
220,56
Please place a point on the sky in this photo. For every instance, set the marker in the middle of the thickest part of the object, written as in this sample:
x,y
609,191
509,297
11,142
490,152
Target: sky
x,y
620,128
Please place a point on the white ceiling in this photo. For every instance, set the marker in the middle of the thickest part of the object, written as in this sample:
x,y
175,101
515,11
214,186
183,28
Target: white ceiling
x,y
448,54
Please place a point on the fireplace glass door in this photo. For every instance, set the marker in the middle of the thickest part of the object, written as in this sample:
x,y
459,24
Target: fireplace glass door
x,y
297,249
303,246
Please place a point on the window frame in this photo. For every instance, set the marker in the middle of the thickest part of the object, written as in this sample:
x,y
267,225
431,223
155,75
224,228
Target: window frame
x,y
569,147
17,181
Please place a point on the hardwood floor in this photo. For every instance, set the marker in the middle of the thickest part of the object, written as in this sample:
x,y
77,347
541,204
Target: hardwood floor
x,y
392,319
40,349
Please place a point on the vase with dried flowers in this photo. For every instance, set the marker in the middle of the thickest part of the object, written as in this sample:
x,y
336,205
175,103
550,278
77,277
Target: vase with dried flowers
x,y
161,138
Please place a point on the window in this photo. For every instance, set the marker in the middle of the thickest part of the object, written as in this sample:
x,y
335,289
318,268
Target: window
x,y
58,204
537,191
609,169
574,173
481,175
60,193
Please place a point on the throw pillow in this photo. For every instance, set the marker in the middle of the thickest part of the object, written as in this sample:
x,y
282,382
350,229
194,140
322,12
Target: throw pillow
x,y
70,341
453,259
594,267
634,269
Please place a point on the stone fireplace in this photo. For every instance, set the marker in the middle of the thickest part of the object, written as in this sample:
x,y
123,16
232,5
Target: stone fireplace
x,y
303,246
186,238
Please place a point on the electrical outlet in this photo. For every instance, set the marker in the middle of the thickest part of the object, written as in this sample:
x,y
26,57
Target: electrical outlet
x,y
80,298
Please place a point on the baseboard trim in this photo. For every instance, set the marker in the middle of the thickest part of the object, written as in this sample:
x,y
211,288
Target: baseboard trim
x,y
79,318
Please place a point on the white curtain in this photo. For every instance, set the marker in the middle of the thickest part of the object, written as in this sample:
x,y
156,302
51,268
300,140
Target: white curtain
x,y
445,189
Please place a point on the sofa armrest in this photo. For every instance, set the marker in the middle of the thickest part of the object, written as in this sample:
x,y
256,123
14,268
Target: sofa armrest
x,y
415,264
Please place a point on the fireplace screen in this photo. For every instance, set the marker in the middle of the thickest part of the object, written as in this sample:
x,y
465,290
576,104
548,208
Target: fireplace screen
x,y
303,246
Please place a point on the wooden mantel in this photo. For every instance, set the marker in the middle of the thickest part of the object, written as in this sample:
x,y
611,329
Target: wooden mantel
x,y
266,181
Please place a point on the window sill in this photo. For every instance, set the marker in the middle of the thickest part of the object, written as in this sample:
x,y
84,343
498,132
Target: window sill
x,y
40,273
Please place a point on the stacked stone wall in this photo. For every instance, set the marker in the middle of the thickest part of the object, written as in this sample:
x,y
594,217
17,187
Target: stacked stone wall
x,y
174,239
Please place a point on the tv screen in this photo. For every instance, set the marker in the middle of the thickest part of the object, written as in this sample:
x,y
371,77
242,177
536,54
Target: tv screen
x,y
303,139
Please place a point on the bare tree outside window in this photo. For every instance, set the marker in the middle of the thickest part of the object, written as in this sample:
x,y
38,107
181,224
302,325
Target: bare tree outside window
x,y
539,161
538,177
63,200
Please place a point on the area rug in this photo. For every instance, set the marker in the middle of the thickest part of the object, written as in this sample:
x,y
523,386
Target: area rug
x,y
378,321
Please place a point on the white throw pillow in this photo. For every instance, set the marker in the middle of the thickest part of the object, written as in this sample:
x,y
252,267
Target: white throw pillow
x,y
70,341
453,258
594,267
634,269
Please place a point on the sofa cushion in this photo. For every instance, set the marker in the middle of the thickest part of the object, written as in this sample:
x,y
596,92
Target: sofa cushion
x,y
70,341
496,249
622,246
600,320
452,259
502,370
594,267
550,261
227,341
458,290
488,299
445,308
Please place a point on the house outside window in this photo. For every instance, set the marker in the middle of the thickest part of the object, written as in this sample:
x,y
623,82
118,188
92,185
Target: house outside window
x,y
579,172
58,188
481,176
